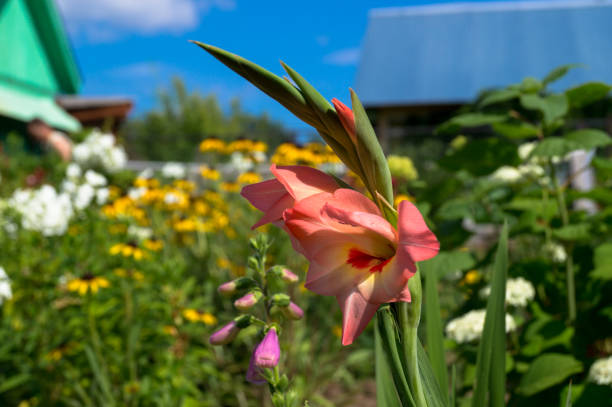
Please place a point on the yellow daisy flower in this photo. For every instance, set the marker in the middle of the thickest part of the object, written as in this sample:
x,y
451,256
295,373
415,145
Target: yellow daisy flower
x,y
153,244
134,274
87,282
195,315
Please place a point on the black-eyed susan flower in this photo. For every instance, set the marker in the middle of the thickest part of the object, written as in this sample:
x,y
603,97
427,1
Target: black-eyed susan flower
x,y
133,274
87,282
130,249
153,244
230,187
209,173
194,315
212,145
248,178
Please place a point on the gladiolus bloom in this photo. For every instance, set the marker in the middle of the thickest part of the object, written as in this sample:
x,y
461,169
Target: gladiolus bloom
x,y
347,118
293,183
356,255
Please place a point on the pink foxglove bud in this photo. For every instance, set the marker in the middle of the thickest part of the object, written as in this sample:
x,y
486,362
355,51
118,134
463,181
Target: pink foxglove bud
x,y
253,375
224,335
231,287
227,288
267,353
289,276
293,311
248,301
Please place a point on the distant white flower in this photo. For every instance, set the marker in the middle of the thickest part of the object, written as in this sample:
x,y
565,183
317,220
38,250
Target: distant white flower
x,y
140,233
69,186
259,156
518,292
83,197
601,371
73,171
137,193
173,170
531,171
506,174
102,195
146,173
525,149
43,209
556,252
469,327
240,163
95,179
99,150
5,286
171,198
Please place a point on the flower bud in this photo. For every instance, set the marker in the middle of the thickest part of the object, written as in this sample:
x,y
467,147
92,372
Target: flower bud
x,y
252,375
248,301
293,311
231,287
289,276
281,300
224,335
267,353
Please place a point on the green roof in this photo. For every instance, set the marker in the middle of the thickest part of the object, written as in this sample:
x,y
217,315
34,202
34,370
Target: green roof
x,y
37,63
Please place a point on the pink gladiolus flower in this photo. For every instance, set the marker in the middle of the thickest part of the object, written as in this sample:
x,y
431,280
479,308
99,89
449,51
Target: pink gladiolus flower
x,y
355,254
346,116
293,183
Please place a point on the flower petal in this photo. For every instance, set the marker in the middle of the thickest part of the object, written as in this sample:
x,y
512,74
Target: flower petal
x,y
356,314
301,181
416,241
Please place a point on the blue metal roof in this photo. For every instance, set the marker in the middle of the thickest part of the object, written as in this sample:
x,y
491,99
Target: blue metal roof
x,y
448,53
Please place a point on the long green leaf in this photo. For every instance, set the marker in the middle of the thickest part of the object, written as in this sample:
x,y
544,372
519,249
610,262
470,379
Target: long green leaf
x,y
386,395
273,85
100,377
490,363
388,334
433,323
433,393
370,152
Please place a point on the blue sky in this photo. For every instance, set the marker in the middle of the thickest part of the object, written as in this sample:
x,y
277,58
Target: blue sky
x,y
134,47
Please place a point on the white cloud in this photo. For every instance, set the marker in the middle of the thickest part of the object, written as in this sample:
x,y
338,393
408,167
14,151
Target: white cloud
x,y
343,57
106,20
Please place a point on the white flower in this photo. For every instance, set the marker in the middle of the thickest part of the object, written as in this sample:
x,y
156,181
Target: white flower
x,y
95,179
5,286
173,170
146,173
137,193
469,327
99,150
69,186
525,149
518,292
240,163
83,197
556,252
102,195
171,198
73,171
506,174
531,171
140,233
601,371
43,210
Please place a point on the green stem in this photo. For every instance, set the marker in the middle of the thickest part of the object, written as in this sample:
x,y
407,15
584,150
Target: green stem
x,y
409,319
569,264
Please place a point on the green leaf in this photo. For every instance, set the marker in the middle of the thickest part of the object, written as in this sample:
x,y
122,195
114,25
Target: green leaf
x,y
469,120
589,138
580,231
546,209
13,382
482,156
552,107
587,93
602,261
273,85
433,392
370,152
558,73
546,371
386,395
603,166
433,323
554,147
531,85
516,129
498,96
491,359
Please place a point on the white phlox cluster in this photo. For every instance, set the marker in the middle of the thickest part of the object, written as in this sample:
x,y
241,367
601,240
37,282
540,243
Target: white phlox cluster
x,y
469,327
